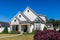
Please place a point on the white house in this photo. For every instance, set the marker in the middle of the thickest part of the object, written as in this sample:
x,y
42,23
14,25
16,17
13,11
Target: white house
x,y
27,21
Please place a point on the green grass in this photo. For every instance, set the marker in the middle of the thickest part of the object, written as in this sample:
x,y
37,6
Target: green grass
x,y
20,37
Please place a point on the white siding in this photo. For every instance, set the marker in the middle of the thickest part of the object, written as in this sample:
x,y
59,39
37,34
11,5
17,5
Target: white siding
x,y
21,18
13,22
31,28
42,17
37,26
42,26
30,14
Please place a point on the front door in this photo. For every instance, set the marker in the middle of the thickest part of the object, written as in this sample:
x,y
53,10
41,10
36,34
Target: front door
x,y
24,28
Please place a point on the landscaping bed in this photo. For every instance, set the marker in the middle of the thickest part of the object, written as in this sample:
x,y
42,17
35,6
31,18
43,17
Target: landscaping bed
x,y
47,35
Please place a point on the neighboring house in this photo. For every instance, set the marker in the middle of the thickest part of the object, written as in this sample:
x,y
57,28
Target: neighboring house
x,y
27,21
3,25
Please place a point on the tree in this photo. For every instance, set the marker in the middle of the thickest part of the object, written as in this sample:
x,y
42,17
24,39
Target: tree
x,y
5,30
51,20
45,28
54,22
55,28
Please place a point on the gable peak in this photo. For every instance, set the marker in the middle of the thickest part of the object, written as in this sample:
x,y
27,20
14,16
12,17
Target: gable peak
x,y
19,11
27,8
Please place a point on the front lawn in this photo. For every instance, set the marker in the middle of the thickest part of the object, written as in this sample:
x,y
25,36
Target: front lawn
x,y
20,37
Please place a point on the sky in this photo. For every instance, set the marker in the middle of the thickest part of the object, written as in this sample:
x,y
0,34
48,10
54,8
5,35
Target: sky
x,y
49,8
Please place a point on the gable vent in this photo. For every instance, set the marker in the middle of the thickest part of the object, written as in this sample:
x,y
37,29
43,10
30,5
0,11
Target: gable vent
x,y
14,20
19,15
27,10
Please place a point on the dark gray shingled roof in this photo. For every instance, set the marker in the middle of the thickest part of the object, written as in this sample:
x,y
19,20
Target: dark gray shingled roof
x,y
4,24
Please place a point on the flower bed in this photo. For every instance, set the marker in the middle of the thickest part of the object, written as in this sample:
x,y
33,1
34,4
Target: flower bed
x,y
47,35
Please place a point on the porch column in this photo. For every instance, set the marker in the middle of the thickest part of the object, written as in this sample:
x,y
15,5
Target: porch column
x,y
19,28
10,27
34,26
28,28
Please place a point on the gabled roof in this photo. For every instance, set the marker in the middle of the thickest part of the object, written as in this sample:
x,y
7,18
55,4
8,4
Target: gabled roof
x,y
41,20
24,17
28,20
19,19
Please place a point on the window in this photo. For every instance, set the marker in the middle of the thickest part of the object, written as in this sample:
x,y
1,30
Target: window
x,y
28,10
13,28
37,26
19,15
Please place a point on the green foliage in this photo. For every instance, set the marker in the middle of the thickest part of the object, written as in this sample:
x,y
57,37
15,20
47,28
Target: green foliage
x,y
45,28
55,28
13,32
51,20
54,22
5,30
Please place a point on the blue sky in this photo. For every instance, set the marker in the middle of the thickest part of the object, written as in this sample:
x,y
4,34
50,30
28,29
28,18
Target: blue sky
x,y
49,8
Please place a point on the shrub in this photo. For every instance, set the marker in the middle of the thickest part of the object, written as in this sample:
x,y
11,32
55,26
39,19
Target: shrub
x,y
55,28
45,28
13,32
5,30
47,35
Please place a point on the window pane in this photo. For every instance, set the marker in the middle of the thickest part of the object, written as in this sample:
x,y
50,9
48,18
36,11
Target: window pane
x,y
37,26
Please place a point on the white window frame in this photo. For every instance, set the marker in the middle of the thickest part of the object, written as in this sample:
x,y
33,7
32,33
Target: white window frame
x,y
37,26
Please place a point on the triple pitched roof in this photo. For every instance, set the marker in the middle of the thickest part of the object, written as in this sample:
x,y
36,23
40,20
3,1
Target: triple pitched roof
x,y
38,19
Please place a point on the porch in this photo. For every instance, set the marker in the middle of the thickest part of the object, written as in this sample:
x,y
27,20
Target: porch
x,y
21,28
